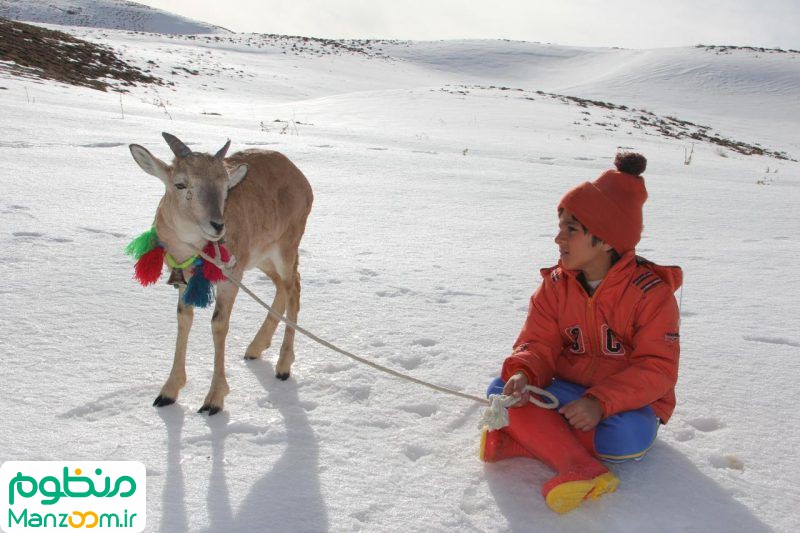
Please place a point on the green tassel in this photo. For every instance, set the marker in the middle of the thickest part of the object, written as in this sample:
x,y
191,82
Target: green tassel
x,y
142,244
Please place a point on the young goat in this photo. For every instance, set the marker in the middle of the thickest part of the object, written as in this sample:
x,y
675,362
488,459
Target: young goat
x,y
259,201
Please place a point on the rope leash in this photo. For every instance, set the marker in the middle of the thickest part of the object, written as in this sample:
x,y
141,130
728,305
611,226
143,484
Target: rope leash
x,y
498,404
496,416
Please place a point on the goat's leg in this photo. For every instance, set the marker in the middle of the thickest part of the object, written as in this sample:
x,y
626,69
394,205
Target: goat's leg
x,y
177,376
286,358
226,295
263,338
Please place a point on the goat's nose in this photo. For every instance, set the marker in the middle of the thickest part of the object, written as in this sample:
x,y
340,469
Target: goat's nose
x,y
217,226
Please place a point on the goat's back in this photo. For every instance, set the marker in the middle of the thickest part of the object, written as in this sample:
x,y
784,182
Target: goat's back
x,y
270,206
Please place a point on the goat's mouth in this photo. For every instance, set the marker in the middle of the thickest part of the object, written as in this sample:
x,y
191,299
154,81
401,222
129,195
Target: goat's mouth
x,y
213,237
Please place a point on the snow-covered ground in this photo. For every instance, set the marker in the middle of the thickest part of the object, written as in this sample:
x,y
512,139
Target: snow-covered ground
x,y
113,14
435,194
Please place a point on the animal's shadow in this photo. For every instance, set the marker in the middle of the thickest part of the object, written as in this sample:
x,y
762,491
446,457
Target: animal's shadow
x,y
288,495
664,492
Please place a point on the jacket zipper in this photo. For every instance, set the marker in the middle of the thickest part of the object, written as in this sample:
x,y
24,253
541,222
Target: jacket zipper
x,y
594,347
593,354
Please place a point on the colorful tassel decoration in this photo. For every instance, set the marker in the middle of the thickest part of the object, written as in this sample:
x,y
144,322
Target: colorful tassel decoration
x,y
198,290
211,272
150,256
149,266
142,244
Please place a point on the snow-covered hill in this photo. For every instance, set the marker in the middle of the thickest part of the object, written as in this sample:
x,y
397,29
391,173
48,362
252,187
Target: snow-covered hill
x,y
436,169
112,14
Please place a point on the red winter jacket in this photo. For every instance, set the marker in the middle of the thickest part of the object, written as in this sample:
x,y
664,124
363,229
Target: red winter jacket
x,y
622,342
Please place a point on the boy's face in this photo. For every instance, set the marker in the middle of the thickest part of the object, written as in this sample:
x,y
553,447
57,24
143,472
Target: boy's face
x,y
576,250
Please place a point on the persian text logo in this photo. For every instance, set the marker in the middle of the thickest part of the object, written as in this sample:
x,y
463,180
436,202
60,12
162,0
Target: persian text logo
x,y
66,495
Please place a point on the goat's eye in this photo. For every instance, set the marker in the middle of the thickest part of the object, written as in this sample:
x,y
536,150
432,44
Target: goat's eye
x,y
180,186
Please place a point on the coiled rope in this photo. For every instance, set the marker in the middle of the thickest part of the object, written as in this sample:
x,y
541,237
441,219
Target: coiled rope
x,y
498,404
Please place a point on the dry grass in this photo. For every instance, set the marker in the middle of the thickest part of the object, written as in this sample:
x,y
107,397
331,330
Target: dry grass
x,y
36,52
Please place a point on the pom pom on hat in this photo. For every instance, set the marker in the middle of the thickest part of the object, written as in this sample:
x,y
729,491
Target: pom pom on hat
x,y
630,163
611,206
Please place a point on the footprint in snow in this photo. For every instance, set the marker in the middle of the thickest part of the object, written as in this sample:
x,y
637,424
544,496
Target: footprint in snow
x,y
583,158
358,393
472,503
230,428
335,368
727,461
458,293
101,145
415,453
773,340
27,234
425,343
400,291
17,210
377,148
684,434
101,232
307,405
408,362
706,424
424,409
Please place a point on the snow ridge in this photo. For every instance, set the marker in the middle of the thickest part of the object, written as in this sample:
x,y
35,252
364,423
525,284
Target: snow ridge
x,y
110,14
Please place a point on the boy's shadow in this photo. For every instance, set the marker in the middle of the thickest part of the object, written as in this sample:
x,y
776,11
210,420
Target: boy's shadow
x,y
288,495
664,492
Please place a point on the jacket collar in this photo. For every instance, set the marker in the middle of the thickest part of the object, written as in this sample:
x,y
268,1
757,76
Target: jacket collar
x,y
623,269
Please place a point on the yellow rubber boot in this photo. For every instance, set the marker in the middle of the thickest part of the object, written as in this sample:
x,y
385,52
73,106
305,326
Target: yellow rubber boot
x,y
563,496
549,437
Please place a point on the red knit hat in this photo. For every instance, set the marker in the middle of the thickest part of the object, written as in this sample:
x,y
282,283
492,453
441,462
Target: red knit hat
x,y
611,206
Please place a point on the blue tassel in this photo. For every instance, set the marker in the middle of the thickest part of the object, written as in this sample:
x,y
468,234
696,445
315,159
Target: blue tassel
x,y
198,291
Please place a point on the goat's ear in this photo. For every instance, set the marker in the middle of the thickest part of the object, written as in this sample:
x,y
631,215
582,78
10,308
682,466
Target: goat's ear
x,y
237,176
150,163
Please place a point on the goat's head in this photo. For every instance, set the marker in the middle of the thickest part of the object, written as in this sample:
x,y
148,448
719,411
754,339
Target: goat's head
x,y
197,187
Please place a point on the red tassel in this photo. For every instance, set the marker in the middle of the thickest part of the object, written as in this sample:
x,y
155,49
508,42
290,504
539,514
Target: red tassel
x,y
148,267
210,271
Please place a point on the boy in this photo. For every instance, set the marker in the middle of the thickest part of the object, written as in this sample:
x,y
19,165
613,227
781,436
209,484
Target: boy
x,y
602,336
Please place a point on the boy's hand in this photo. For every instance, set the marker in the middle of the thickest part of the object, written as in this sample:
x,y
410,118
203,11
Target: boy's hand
x,y
584,413
515,386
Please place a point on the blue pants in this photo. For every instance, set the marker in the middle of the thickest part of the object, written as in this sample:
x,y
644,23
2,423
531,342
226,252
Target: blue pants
x,y
619,438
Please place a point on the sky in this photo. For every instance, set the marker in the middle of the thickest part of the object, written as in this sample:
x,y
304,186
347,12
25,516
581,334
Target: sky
x,y
623,23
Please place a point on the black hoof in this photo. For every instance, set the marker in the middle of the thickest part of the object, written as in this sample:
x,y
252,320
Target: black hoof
x,y
251,357
212,410
161,401
283,377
